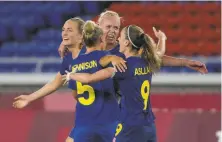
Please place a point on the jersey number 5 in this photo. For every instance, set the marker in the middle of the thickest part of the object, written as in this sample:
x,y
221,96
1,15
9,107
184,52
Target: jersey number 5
x,y
145,92
85,88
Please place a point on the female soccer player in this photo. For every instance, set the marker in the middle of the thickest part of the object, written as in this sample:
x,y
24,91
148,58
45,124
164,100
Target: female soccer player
x,y
72,39
136,117
94,122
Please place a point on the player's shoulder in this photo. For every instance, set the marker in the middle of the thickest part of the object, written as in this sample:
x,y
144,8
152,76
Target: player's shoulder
x,y
135,61
68,56
115,49
83,50
100,53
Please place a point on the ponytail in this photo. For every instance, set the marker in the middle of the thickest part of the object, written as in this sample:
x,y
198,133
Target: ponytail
x,y
149,54
139,40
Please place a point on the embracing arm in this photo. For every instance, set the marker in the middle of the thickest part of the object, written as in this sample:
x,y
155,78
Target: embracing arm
x,y
90,78
104,61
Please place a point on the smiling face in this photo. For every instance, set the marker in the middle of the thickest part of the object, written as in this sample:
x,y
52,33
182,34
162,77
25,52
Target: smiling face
x,y
70,33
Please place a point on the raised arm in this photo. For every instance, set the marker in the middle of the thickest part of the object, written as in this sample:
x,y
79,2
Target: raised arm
x,y
90,78
161,45
172,61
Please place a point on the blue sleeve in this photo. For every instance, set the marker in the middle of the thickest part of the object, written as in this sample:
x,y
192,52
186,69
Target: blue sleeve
x,y
72,85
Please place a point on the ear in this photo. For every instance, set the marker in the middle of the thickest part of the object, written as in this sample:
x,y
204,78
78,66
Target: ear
x,y
126,42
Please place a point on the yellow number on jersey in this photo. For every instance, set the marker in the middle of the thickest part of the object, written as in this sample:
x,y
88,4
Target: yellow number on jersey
x,y
118,129
145,91
85,88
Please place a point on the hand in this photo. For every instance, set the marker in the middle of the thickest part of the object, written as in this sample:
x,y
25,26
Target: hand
x,y
66,77
159,34
195,65
62,50
119,63
21,101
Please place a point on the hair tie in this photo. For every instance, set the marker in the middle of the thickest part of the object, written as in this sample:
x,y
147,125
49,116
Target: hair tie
x,y
130,39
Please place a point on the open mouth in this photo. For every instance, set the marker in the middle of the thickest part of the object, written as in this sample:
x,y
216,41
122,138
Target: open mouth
x,y
65,39
110,37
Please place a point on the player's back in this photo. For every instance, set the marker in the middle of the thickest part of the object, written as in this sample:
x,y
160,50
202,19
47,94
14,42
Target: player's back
x,y
135,87
95,100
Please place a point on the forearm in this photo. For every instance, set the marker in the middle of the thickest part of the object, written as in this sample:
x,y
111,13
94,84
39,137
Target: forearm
x,y
81,77
161,47
104,61
95,77
172,61
47,89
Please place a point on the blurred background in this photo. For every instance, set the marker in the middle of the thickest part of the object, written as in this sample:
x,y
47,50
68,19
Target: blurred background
x,y
187,104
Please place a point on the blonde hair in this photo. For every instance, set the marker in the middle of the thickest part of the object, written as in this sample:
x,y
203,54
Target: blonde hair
x,y
107,13
91,33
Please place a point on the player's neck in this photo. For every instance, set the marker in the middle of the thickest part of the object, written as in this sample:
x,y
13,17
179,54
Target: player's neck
x,y
110,46
91,49
75,51
130,54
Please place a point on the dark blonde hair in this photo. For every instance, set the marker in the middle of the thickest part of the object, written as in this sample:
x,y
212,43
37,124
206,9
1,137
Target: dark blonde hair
x,y
91,33
138,40
80,23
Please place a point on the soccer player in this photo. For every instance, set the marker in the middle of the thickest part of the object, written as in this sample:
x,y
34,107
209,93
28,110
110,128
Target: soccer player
x,y
97,109
72,39
136,116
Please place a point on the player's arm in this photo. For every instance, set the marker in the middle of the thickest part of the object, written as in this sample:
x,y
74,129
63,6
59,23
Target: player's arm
x,y
23,100
117,62
192,64
161,45
91,78
48,88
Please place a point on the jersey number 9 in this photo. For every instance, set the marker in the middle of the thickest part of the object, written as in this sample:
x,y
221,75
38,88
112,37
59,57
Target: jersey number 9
x,y
85,88
145,91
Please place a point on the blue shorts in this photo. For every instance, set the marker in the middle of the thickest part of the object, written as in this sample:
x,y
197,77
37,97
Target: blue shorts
x,y
136,133
94,133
